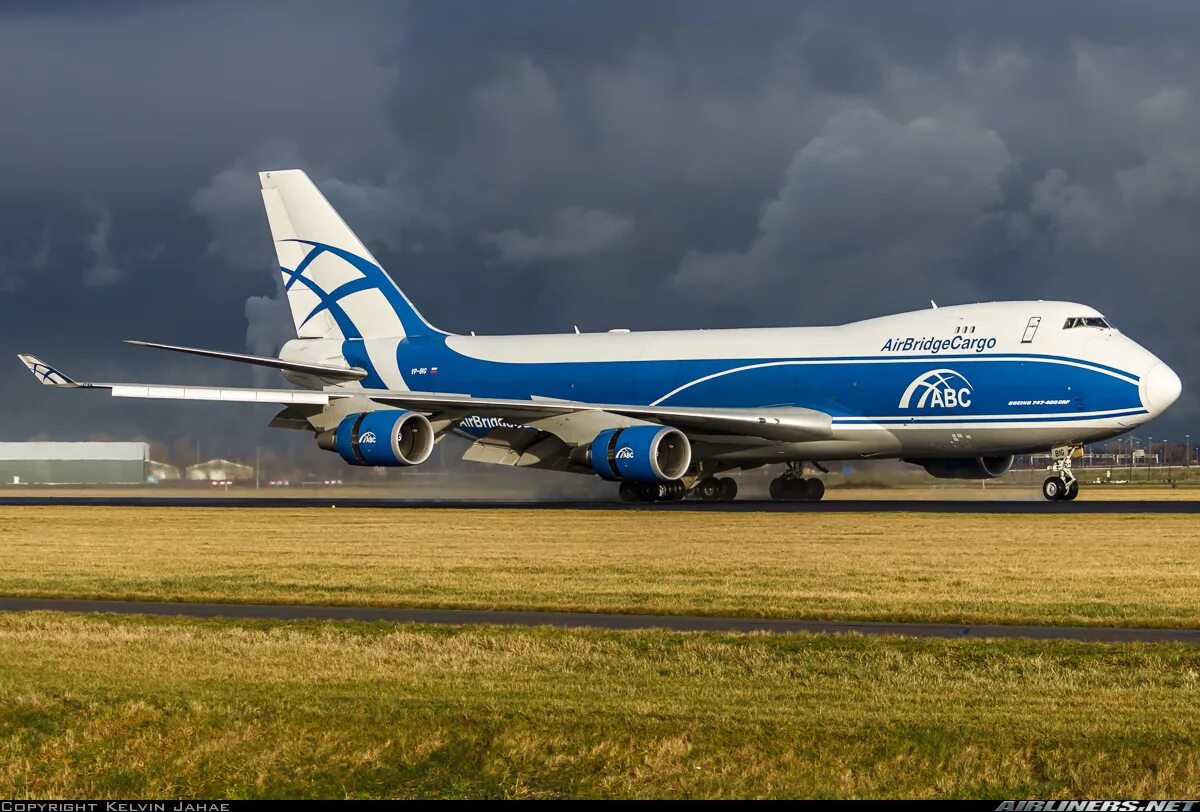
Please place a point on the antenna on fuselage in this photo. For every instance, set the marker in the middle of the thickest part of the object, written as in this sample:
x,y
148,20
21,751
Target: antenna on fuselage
x,y
933,304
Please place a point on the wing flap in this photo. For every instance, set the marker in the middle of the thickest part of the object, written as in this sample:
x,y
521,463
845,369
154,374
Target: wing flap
x,y
784,424
159,392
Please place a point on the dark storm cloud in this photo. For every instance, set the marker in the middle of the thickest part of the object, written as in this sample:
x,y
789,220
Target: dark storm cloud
x,y
528,166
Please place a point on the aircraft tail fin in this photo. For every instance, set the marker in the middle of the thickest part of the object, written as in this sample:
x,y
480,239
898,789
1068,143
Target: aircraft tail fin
x,y
335,287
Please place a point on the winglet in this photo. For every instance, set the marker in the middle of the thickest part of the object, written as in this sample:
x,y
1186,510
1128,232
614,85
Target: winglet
x,y
46,374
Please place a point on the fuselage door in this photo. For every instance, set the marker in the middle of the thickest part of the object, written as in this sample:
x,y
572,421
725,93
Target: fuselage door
x,y
1031,329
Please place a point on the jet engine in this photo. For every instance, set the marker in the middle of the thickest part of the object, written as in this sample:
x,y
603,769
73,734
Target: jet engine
x,y
388,437
967,467
641,454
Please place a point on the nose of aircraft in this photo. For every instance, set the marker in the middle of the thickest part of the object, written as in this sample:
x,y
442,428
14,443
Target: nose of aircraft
x,y
1160,388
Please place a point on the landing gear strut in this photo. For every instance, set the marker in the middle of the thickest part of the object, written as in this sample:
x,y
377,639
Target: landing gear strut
x,y
793,486
1062,484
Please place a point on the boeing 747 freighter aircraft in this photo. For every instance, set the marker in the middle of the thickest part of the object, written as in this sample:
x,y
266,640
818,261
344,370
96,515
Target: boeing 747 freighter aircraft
x,y
957,390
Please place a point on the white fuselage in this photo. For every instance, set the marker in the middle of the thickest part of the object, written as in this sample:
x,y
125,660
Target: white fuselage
x,y
992,378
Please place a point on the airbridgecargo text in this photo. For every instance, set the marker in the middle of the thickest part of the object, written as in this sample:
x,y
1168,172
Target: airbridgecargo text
x,y
936,345
476,422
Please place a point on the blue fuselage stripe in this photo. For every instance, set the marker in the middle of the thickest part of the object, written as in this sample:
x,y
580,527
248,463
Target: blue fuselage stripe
x,y
985,388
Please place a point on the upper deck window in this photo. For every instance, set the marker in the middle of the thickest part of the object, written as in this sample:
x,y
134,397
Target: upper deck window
x,y
1087,321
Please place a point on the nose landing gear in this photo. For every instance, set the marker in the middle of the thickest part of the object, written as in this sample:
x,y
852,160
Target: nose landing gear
x,y
1062,485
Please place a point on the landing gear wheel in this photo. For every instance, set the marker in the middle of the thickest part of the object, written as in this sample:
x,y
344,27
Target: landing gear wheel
x,y
795,489
654,491
1055,488
630,492
1072,491
778,489
728,488
710,489
814,489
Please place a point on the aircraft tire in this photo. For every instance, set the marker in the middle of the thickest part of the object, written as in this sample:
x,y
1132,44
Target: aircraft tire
x,y
814,490
652,491
709,489
728,489
1054,488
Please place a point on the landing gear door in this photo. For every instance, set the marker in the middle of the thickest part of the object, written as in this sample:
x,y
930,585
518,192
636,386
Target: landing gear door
x,y
1031,329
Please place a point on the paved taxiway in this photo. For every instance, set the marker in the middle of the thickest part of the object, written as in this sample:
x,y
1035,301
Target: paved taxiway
x,y
692,623
741,506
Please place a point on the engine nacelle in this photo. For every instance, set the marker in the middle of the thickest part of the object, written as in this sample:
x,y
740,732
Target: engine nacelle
x,y
641,454
388,437
967,467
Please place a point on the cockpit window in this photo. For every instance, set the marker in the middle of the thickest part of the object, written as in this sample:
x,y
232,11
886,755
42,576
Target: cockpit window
x,y
1087,321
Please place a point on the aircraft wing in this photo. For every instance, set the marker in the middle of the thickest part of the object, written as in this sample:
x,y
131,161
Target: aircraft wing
x,y
785,424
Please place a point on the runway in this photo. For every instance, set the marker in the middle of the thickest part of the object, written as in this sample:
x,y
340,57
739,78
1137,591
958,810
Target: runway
x,y
690,623
992,506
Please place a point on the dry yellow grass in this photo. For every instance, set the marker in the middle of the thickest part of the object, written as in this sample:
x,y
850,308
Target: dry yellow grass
x,y
1097,569
94,706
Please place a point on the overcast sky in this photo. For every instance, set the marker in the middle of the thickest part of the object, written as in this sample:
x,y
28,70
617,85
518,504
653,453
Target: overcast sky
x,y
526,166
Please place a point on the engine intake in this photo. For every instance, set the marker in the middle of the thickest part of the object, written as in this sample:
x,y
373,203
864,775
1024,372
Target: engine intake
x,y
967,467
387,438
641,454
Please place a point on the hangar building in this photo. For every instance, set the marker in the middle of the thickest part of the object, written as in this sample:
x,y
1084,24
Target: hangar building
x,y
219,471
73,463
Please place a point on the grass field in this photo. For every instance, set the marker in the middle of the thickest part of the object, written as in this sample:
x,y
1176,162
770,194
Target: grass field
x,y
1099,569
102,706
95,706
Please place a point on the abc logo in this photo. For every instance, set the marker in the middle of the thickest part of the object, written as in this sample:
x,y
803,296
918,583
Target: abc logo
x,y
624,453
937,389
366,438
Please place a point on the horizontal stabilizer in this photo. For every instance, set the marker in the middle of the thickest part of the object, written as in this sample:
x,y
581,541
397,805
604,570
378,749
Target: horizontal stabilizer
x,y
329,373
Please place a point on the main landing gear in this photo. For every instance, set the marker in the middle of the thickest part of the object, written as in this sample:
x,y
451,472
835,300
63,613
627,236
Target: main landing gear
x,y
652,491
792,486
1061,486
716,489
709,489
